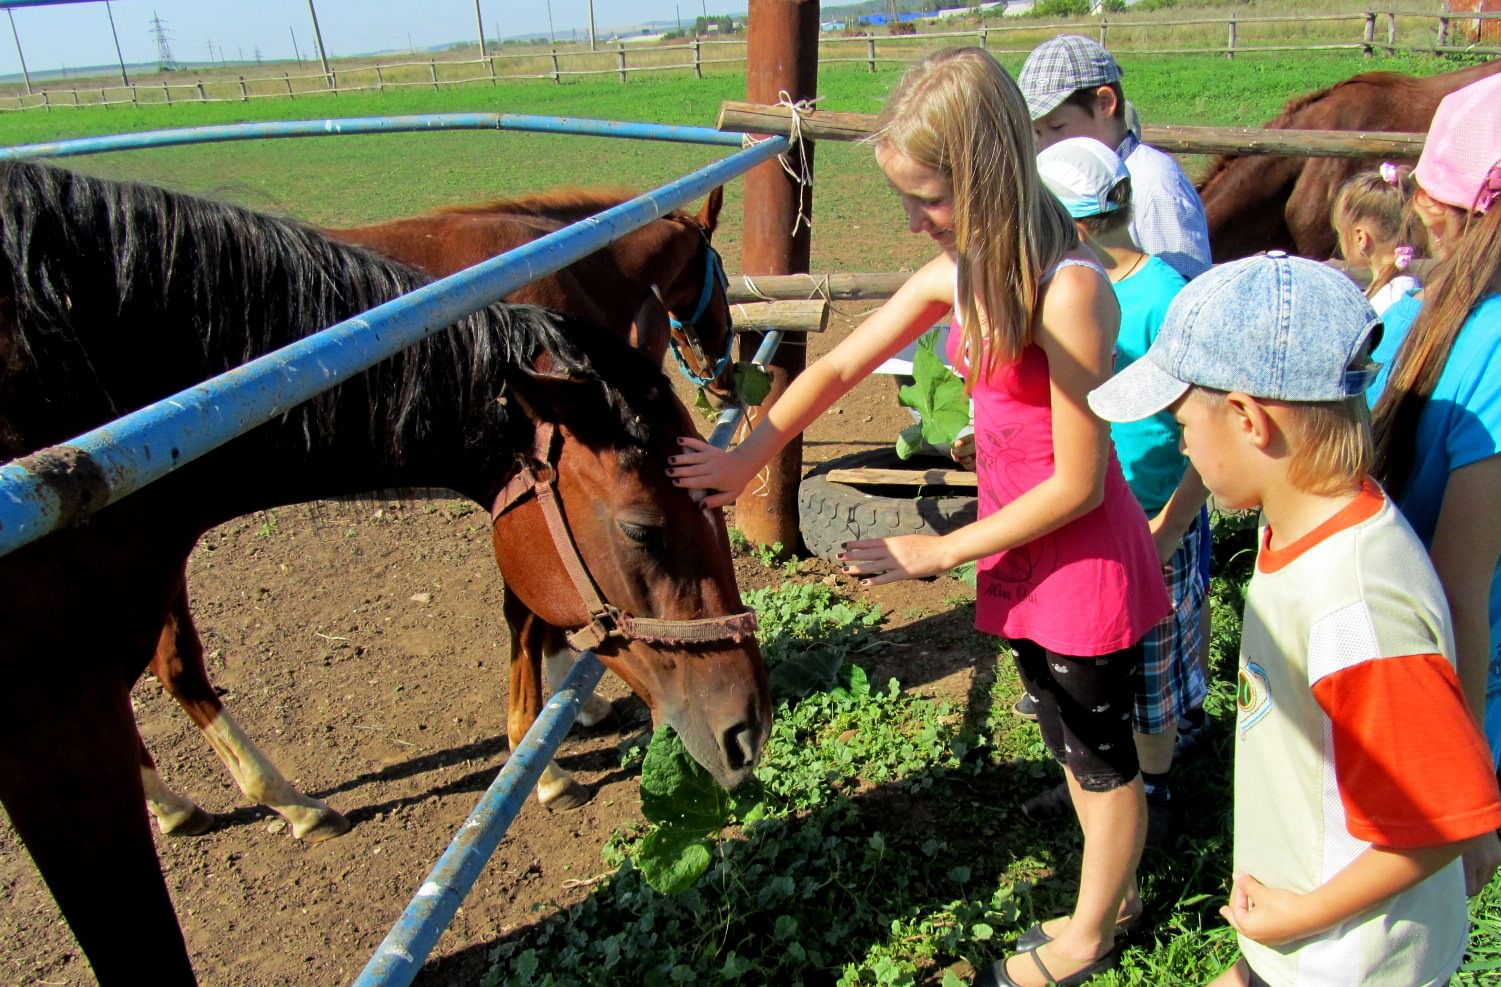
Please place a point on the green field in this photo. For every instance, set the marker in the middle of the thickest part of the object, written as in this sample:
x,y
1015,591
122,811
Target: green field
x,y
826,887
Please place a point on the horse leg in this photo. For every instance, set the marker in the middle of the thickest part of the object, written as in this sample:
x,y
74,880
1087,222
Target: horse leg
x,y
556,789
178,665
70,779
557,659
175,815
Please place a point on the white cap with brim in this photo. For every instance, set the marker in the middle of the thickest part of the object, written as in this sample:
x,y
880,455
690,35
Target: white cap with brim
x,y
1139,391
1082,173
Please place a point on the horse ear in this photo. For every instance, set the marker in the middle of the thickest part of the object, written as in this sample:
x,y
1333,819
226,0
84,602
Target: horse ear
x,y
650,329
708,217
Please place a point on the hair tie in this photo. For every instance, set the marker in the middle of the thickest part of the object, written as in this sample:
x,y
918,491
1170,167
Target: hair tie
x,y
1403,257
1389,174
1489,189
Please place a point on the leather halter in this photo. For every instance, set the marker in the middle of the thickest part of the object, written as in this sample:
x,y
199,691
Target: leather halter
x,y
688,328
539,478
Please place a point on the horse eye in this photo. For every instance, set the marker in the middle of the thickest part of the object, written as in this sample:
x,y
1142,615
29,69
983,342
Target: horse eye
x,y
641,534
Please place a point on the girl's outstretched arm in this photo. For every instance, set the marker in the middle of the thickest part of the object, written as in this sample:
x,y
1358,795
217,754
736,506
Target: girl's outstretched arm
x,y
915,307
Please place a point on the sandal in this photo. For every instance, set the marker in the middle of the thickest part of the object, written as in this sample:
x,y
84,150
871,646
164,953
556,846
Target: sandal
x,y
996,975
1035,936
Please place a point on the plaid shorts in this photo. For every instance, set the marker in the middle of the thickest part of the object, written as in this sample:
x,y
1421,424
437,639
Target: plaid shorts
x,y
1170,680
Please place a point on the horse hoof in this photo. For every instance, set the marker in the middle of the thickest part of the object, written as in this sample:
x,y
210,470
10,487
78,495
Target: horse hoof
x,y
195,823
329,825
597,710
570,796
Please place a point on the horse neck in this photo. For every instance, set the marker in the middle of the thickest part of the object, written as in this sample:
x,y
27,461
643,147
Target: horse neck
x,y
662,254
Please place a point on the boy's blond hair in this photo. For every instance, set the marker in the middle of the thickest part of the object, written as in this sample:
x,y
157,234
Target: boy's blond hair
x,y
1329,443
958,111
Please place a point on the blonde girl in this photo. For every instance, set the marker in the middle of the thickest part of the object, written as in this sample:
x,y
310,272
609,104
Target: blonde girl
x,y
1067,569
1377,229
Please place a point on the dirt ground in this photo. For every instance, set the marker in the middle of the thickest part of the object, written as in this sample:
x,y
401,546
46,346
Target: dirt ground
x,y
362,645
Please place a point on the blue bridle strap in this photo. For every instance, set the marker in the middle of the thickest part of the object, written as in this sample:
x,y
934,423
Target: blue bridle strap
x,y
713,274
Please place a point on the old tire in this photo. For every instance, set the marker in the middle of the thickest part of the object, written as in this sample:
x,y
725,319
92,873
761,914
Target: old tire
x,y
830,514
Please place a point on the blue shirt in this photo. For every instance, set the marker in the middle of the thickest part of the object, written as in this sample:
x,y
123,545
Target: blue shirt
x,y
1148,449
1395,321
1461,423
1167,216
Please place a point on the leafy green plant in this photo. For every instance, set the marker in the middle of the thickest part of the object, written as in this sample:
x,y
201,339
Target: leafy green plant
x,y
752,383
1059,8
937,395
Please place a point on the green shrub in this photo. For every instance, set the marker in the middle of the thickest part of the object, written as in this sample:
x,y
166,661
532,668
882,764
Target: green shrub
x,y
1059,8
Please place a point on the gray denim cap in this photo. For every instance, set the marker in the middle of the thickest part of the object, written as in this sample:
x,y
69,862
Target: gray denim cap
x,y
1059,68
1276,327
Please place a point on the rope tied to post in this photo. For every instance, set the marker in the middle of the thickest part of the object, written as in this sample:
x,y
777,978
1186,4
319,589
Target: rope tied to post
x,y
802,173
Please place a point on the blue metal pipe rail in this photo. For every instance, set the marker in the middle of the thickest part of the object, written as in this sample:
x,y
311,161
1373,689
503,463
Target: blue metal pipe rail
x,y
400,956
147,444
373,125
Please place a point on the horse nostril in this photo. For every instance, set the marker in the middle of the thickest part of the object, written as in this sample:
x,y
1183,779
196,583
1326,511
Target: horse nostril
x,y
739,743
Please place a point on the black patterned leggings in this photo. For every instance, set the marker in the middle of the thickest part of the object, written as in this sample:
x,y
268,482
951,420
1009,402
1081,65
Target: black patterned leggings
x,y
1084,709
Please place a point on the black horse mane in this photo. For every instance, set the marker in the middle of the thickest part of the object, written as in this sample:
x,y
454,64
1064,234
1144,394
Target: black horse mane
x,y
122,293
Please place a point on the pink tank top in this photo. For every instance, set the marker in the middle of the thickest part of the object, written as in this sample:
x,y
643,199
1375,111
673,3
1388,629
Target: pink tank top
x,y
1091,587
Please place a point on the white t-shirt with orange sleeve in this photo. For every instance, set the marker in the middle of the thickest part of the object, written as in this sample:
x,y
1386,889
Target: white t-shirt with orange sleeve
x,y
1352,730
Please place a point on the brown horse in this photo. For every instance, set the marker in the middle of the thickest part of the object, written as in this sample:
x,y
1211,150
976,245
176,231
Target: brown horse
x,y
1258,202
672,256
113,296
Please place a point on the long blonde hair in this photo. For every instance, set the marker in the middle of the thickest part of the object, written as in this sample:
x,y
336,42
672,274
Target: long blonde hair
x,y
958,111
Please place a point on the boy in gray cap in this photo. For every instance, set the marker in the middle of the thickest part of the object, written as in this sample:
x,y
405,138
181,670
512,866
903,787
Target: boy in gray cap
x,y
1360,774
1072,86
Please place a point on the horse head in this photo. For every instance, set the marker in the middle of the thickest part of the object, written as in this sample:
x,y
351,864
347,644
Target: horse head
x,y
632,560
695,290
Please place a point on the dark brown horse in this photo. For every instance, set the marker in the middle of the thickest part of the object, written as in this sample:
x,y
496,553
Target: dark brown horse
x,y
113,296
672,256
1258,202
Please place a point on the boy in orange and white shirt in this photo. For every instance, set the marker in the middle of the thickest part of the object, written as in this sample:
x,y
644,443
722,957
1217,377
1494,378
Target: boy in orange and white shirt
x,y
1359,773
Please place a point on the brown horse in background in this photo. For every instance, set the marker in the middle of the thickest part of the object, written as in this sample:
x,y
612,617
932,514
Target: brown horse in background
x,y
1256,202
671,258
113,296
672,255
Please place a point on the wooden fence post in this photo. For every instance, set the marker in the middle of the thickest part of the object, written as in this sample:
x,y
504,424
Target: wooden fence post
x,y
202,96
870,52
1104,26
620,52
1443,29
103,98
698,59
287,78
46,101
490,61
380,80
167,93
244,93
1391,32
75,95
432,68
135,95
1368,35
1230,49
557,73
984,36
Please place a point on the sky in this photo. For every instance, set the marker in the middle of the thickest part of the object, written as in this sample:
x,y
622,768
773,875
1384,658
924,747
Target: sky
x,y
78,34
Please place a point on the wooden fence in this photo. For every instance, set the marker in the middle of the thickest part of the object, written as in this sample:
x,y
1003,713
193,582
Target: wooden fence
x,y
1377,33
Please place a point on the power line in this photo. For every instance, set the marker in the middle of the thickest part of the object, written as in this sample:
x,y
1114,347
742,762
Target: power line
x,y
163,38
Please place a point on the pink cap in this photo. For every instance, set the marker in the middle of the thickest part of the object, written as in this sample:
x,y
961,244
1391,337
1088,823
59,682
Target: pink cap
x,y
1464,143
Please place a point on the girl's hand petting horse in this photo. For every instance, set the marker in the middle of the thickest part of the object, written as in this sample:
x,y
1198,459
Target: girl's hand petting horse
x,y
700,466
886,560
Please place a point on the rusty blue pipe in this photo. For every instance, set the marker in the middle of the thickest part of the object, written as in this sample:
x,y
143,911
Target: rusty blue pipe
x,y
372,125
42,492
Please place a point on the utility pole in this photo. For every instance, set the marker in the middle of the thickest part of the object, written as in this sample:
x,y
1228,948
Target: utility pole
x,y
480,23
318,37
124,79
678,9
551,35
163,38
25,73
591,25
295,50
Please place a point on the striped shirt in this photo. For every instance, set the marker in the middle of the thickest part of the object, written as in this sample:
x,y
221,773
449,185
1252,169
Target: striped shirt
x,y
1167,218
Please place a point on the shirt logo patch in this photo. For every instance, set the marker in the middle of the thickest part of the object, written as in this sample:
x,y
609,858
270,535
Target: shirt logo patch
x,y
1253,696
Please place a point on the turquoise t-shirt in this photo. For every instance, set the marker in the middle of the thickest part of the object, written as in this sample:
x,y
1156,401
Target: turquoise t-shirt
x,y
1148,449
1395,321
1460,425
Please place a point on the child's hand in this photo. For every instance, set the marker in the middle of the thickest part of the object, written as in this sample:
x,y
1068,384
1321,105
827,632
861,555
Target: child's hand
x,y
886,560
963,451
700,466
1481,856
1271,916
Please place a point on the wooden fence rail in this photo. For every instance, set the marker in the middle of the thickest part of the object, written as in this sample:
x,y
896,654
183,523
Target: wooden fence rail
x,y
868,50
